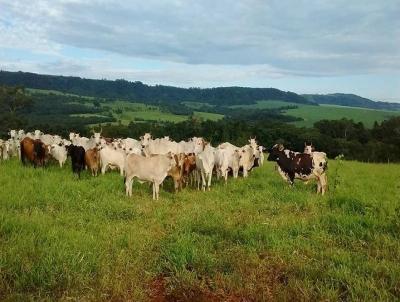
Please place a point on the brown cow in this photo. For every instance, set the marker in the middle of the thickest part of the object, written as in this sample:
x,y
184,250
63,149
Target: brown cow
x,y
33,150
176,172
92,160
189,165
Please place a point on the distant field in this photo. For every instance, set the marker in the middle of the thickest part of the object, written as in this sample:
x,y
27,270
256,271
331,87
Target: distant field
x,y
197,105
253,239
127,112
312,114
48,91
209,116
269,104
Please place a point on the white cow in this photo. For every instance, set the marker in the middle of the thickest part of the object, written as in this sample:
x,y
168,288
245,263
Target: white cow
x,y
152,169
59,153
257,151
205,162
193,145
131,146
12,134
225,160
246,159
112,157
13,147
160,146
21,134
2,148
49,139
5,150
86,143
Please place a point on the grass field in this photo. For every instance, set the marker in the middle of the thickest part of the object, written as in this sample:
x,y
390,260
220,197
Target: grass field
x,y
256,238
312,114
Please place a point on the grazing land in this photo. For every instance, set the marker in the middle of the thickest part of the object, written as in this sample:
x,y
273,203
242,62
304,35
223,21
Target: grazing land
x,y
311,114
256,238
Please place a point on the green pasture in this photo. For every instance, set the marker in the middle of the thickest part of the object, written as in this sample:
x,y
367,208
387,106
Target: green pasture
x,y
311,114
254,239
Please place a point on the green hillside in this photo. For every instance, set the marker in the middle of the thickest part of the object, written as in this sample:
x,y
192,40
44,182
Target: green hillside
x,y
312,114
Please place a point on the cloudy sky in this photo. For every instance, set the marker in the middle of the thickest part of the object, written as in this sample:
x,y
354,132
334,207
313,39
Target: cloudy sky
x,y
313,46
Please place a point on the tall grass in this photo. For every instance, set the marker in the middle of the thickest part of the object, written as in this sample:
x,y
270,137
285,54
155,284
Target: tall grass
x,y
256,238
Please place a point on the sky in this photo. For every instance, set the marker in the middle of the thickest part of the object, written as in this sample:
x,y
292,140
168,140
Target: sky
x,y
313,46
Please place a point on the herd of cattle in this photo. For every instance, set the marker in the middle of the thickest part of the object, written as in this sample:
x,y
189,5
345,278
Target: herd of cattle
x,y
152,160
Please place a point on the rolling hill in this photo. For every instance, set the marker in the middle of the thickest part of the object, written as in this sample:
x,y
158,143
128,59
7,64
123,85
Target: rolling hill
x,y
125,90
350,100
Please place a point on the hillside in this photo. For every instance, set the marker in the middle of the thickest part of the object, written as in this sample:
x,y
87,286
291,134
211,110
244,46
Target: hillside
x,y
308,115
125,90
350,100
253,239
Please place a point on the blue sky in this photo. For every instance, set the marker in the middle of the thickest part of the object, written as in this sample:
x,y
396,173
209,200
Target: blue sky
x,y
311,46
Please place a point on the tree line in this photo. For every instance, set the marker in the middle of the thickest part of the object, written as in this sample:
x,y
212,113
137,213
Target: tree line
x,y
158,94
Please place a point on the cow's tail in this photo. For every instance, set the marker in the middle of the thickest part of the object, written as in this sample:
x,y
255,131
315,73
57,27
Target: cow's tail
x,y
39,152
21,145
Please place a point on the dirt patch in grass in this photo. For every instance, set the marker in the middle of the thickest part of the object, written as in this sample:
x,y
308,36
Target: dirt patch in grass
x,y
158,292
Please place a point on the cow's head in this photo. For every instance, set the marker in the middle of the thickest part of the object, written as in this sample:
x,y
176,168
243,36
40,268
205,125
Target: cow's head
x,y
145,139
199,144
12,133
97,137
275,152
37,134
308,148
252,141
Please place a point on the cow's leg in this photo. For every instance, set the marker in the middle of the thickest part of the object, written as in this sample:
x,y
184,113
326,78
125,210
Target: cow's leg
x,y
245,171
324,183
319,188
176,185
121,170
103,168
128,186
290,178
209,180
203,180
197,180
157,190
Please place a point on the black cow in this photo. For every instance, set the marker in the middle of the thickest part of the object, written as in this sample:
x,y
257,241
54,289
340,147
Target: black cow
x,y
302,166
77,154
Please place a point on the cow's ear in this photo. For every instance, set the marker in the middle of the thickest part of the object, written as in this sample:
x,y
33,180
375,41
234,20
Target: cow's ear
x,y
305,144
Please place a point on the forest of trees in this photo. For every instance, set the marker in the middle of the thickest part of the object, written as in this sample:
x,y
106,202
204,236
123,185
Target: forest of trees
x,y
379,144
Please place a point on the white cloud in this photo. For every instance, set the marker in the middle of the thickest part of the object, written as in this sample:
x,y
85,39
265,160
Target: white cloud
x,y
293,37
